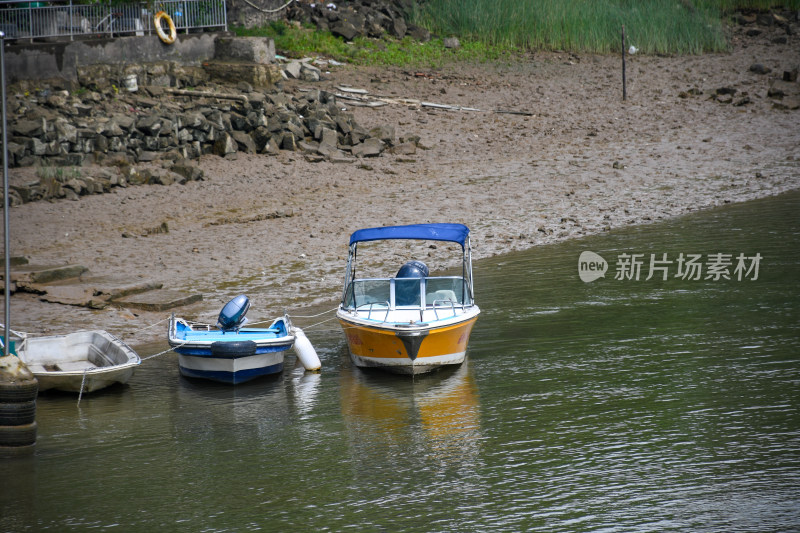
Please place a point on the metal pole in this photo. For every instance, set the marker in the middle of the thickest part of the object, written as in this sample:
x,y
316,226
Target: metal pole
x,y
7,279
624,89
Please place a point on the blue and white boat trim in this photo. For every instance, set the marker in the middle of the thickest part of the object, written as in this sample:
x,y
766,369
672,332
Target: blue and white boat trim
x,y
230,356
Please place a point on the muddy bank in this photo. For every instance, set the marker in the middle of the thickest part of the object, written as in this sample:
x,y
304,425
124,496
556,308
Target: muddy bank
x,y
581,162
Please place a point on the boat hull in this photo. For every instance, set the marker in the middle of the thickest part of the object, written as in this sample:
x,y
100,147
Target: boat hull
x,y
405,349
83,361
71,382
231,370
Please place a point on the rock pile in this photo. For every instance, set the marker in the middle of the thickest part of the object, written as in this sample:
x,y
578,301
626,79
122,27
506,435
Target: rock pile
x,y
58,129
359,18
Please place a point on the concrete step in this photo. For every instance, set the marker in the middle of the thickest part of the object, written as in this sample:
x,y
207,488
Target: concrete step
x,y
95,292
71,285
158,300
27,274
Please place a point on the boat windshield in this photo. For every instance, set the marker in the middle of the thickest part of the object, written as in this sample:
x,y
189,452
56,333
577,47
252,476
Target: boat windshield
x,y
407,293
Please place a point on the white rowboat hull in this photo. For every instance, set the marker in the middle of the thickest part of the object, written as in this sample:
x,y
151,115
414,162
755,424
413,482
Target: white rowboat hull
x,y
82,361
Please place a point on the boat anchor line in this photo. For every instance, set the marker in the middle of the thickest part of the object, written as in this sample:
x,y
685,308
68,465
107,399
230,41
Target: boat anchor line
x,y
83,382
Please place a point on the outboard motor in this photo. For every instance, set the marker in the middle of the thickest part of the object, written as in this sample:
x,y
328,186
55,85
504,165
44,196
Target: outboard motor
x,y
413,269
407,291
231,318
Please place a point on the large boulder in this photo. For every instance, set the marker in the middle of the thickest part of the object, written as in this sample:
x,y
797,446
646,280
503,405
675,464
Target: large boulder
x,y
371,147
344,29
259,50
225,145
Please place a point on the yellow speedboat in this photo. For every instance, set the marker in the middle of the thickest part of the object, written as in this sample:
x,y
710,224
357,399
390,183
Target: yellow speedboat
x,y
411,323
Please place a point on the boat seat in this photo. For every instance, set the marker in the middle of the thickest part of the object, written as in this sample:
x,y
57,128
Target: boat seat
x,y
71,366
100,360
440,295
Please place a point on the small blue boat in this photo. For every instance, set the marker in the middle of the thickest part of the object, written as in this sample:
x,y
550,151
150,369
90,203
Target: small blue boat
x,y
229,352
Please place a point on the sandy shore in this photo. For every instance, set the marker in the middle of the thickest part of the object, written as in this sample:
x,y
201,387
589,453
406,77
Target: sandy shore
x,y
584,162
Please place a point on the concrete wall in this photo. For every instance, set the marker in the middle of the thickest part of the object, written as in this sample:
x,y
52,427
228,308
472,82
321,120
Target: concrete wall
x,y
41,61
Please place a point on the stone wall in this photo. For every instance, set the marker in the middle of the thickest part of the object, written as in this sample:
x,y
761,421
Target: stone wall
x,y
49,60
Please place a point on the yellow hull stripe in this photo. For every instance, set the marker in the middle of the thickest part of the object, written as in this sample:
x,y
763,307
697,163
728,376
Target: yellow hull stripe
x,y
379,343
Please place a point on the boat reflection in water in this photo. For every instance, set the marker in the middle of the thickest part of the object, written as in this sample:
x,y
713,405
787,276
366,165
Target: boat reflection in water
x,y
305,388
435,417
257,411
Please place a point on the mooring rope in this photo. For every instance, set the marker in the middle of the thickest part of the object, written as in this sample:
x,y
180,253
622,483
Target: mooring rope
x,y
162,353
260,322
318,323
315,316
83,380
150,326
330,330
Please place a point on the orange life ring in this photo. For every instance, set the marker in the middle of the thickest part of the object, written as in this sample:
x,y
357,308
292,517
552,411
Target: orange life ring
x,y
173,34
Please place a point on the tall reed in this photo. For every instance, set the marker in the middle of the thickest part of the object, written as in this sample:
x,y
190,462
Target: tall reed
x,y
653,26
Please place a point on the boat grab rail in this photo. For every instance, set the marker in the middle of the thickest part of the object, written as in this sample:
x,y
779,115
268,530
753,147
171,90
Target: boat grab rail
x,y
445,302
371,305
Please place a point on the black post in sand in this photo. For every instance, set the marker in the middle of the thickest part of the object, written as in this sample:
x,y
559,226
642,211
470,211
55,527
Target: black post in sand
x,y
624,89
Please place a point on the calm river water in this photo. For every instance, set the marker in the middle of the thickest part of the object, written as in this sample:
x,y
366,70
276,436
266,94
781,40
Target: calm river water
x,y
613,405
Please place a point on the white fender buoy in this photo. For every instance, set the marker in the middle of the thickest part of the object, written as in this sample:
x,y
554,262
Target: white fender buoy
x,y
305,351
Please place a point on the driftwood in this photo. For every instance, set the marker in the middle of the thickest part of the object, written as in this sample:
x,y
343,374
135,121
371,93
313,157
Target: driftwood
x,y
360,98
510,112
448,107
351,90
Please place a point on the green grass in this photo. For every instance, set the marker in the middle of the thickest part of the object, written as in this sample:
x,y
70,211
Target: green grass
x,y
303,42
58,173
492,30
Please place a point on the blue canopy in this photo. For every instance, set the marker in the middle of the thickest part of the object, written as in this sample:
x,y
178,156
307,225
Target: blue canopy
x,y
426,232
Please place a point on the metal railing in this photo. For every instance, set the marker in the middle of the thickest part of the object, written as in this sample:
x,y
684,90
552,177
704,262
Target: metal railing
x,y
36,20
